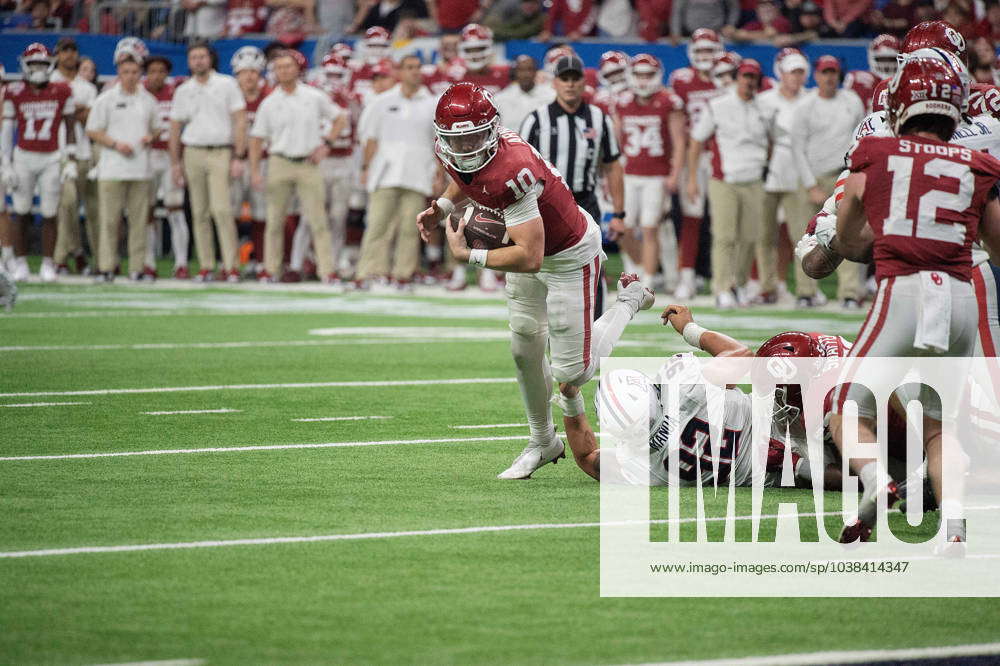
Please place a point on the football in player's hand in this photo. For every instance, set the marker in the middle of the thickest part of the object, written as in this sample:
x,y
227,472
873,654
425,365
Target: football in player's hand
x,y
484,227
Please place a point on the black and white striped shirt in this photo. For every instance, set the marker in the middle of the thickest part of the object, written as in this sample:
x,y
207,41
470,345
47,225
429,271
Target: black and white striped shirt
x,y
574,142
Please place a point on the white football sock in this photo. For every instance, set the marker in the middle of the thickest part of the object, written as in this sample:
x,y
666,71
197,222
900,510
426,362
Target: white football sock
x,y
300,245
869,476
608,329
180,237
534,377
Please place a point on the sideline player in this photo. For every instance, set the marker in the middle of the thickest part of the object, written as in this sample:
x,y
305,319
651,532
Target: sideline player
x,y
553,264
695,86
651,121
159,86
37,107
248,65
922,253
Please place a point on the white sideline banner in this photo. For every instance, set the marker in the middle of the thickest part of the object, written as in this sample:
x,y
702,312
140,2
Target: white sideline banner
x,y
765,544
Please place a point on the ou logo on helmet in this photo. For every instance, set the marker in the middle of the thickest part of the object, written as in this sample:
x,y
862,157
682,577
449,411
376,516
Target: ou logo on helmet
x,y
955,38
780,368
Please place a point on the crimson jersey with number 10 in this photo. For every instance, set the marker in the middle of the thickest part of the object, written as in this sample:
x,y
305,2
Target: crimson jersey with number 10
x,y
516,168
39,112
923,199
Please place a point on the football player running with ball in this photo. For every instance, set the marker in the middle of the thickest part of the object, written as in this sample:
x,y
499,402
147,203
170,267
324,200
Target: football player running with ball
x,y
553,262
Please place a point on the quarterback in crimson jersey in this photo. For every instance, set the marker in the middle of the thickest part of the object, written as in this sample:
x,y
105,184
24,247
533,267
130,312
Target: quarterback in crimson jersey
x,y
476,52
553,265
650,119
924,201
36,107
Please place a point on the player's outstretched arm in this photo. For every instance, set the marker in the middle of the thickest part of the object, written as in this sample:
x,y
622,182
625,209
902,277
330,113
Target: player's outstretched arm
x,y
582,440
854,238
715,343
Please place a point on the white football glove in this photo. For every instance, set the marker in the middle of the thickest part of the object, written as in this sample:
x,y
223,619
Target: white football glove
x,y
805,246
826,229
8,176
68,172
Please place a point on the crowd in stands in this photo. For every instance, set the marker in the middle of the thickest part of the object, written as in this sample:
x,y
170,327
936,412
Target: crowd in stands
x,y
779,22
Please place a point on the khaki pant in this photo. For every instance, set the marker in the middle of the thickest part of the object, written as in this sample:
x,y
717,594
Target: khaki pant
x,y
736,211
68,241
798,210
284,178
207,174
115,196
392,215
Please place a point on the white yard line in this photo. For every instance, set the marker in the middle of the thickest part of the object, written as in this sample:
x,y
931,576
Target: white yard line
x,y
164,662
357,536
222,410
489,425
267,447
44,404
847,656
267,387
158,346
340,418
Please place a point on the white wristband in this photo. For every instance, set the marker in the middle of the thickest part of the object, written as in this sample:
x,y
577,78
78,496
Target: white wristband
x,y
571,406
692,334
447,207
478,257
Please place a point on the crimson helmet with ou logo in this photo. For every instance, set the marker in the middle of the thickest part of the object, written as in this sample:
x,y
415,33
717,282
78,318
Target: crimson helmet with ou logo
x,y
645,74
248,57
880,96
467,124
725,66
378,44
925,86
336,70
948,59
37,63
882,54
790,344
476,46
703,48
611,72
552,57
931,34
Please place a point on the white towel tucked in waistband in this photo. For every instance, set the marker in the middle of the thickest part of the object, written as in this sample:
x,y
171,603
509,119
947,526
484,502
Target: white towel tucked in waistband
x,y
934,327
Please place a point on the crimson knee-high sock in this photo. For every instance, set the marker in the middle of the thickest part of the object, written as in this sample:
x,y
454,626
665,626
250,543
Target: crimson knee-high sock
x,y
690,232
257,238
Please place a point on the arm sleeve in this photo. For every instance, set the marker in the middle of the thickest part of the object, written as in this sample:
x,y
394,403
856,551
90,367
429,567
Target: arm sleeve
x,y
8,109
6,138
705,127
97,120
236,101
529,129
524,209
609,143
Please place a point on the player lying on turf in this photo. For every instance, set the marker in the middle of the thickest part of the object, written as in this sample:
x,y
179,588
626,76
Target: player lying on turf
x,y
623,396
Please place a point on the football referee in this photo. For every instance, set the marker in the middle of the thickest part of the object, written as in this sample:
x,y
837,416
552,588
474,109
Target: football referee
x,y
579,138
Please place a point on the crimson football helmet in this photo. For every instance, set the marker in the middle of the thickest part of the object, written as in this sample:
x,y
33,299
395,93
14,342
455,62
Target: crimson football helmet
x,y
882,52
704,47
248,57
336,70
467,124
645,74
377,43
342,49
950,60
37,63
724,69
794,344
925,86
131,46
935,34
476,46
612,72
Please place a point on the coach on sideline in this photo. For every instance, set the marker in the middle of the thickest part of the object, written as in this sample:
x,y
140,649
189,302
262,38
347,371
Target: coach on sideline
x,y
744,132
123,121
209,107
289,119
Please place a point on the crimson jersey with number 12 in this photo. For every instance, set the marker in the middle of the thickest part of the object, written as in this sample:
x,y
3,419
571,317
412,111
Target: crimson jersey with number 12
x,y
39,112
645,131
923,199
516,168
